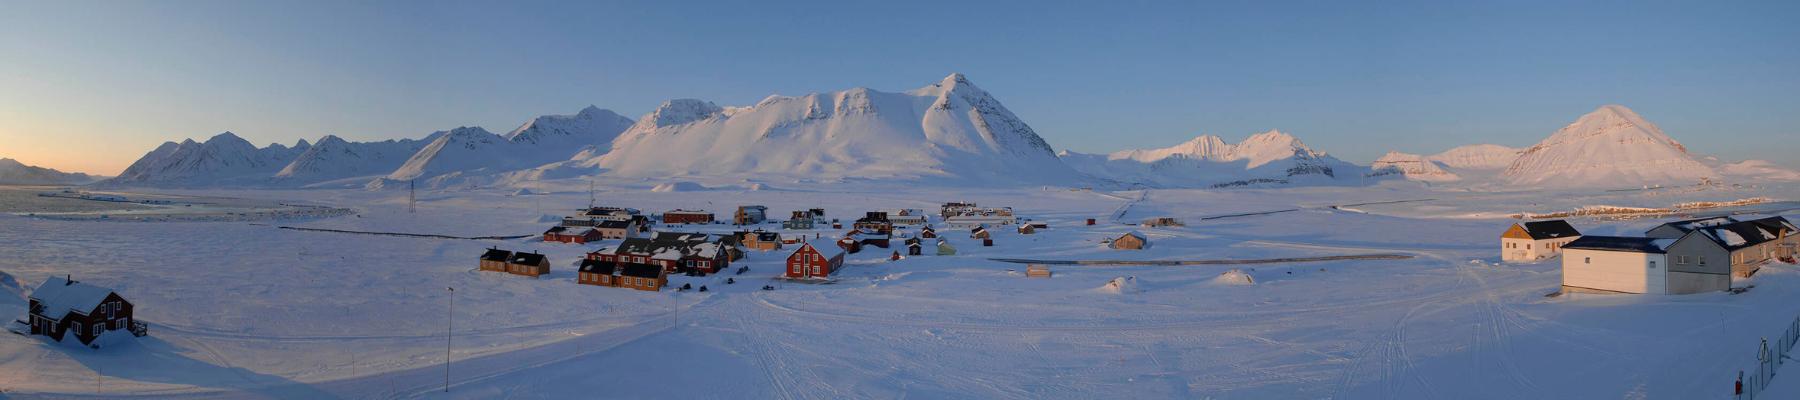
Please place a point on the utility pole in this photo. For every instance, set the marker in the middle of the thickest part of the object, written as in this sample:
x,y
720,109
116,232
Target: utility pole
x,y
590,193
412,199
448,331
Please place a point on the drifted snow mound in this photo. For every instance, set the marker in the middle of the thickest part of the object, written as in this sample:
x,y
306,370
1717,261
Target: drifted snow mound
x,y
546,218
1264,159
1119,286
950,129
1411,166
1610,147
679,187
1235,277
522,192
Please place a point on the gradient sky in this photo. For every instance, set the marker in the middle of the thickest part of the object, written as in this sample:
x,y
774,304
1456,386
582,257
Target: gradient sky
x,y
90,87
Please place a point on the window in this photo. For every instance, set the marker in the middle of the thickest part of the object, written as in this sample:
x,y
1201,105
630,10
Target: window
x,y
1652,265
1528,246
1587,260
1703,260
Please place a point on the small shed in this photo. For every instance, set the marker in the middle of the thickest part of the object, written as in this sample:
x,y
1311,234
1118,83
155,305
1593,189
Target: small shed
x,y
1130,241
1037,271
928,233
1027,230
849,245
945,249
980,232
914,249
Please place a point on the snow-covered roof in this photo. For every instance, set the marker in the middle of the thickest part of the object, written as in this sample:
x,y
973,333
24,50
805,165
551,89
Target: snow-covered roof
x,y
1139,235
1540,230
497,255
59,297
1619,243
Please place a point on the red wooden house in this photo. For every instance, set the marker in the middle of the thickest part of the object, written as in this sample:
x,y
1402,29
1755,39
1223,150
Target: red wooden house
x,y
849,245
809,262
679,216
572,234
62,306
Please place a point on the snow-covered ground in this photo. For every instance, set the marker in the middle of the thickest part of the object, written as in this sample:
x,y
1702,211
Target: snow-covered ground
x,y
242,310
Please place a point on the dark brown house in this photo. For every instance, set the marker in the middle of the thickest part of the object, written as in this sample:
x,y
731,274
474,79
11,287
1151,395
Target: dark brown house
x,y
630,276
495,259
61,306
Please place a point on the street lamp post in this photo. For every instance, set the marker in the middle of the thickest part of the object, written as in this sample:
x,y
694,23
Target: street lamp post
x,y
447,332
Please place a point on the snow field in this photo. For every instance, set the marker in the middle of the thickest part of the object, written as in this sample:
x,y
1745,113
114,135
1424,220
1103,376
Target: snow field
x,y
245,311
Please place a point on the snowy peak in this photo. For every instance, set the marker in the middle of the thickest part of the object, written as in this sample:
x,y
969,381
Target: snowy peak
x,y
222,159
334,158
1611,146
591,124
1412,167
1479,157
1268,158
13,172
950,128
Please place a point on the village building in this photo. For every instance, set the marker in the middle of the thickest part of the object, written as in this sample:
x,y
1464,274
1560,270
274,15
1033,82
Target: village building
x,y
495,260
810,262
1130,241
1611,264
749,215
759,240
1027,229
1037,271
849,245
680,216
528,264
905,216
591,216
1536,239
672,252
874,222
1162,222
870,238
964,221
980,232
630,276
62,306
945,249
914,248
1039,225
618,229
572,234
809,219
927,232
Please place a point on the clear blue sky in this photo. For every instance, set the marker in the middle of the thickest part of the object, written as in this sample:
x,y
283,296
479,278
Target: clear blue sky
x,y
90,87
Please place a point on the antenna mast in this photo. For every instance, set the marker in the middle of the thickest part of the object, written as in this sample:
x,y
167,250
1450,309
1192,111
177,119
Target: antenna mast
x,y
412,198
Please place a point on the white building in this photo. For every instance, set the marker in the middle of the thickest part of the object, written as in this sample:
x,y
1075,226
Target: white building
x,y
1608,264
1536,240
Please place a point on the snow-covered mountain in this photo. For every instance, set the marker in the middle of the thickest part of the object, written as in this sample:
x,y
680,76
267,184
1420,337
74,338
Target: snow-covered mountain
x,y
951,129
12,172
1264,159
1477,157
1611,146
471,156
332,158
1412,167
225,159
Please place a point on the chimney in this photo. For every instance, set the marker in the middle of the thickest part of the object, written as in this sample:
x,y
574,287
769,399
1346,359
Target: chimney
x,y
68,279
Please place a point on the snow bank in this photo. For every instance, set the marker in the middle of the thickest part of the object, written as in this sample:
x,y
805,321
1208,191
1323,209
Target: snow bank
x,y
679,187
523,192
546,218
1235,277
1120,285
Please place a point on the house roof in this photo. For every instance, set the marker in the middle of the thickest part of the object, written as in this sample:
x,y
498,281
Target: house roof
x,y
613,224
1540,230
556,229
1139,235
1619,243
527,258
828,252
662,249
496,255
593,266
59,297
640,270
1776,224
1739,235
1692,224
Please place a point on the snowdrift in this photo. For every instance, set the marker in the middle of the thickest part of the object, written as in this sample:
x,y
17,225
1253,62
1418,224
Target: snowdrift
x,y
1235,277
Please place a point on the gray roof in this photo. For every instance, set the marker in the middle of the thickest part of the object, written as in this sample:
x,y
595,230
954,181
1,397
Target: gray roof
x,y
1619,243
593,266
527,258
613,224
640,270
59,297
1540,230
496,255
1691,224
1740,235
